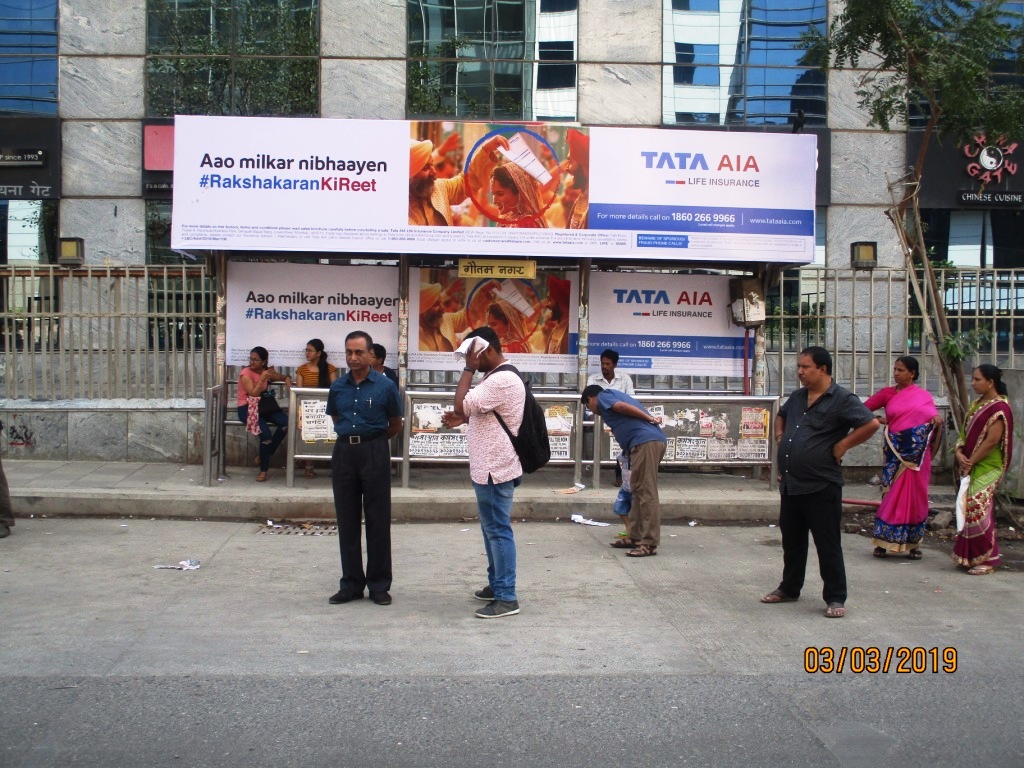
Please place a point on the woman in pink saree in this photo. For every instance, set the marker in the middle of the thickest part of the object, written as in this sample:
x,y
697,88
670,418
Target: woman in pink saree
x,y
913,426
983,454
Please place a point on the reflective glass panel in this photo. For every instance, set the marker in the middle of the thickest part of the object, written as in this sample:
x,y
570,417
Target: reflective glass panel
x,y
741,62
233,57
507,59
28,57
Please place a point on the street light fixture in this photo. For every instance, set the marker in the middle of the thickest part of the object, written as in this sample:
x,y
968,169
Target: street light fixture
x,y
863,255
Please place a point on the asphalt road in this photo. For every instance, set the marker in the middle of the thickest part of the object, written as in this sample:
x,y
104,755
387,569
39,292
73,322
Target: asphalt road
x,y
665,661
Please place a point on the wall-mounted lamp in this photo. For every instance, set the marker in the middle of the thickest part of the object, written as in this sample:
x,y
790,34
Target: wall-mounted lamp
x,y
71,251
863,255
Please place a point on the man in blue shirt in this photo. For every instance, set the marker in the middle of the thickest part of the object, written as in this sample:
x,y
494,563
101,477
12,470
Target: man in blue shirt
x,y
366,411
642,441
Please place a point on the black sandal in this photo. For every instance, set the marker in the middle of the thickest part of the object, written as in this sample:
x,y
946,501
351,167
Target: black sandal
x,y
880,552
915,554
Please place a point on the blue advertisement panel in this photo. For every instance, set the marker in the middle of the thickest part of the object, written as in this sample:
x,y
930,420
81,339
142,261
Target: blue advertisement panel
x,y
665,324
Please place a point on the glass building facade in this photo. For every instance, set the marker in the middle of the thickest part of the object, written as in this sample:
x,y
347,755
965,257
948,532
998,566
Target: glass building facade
x,y
28,57
741,62
28,88
492,59
232,57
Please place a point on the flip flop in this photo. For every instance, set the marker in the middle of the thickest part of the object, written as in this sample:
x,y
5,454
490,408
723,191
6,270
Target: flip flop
x,y
835,611
981,570
778,596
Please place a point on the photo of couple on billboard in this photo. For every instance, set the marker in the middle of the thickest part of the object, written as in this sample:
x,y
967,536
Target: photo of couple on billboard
x,y
476,175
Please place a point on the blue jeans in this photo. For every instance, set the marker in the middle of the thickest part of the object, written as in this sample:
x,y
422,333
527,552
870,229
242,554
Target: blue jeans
x,y
494,502
268,443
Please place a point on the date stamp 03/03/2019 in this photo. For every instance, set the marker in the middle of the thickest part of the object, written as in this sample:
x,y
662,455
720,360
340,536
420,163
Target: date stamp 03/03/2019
x,y
874,659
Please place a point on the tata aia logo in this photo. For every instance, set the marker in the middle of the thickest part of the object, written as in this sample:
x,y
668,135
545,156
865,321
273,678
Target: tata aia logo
x,y
695,161
653,296
988,163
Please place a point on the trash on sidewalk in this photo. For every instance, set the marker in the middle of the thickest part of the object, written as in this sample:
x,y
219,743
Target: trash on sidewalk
x,y
584,521
184,565
576,488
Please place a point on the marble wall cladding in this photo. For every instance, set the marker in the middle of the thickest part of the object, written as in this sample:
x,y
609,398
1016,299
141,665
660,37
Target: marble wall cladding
x,y
863,164
157,436
377,30
35,435
362,89
98,436
850,224
622,31
102,159
114,230
620,94
103,26
101,87
126,299
871,312
103,435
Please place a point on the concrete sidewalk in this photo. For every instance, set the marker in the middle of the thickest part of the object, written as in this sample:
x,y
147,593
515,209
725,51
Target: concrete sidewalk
x,y
123,489
659,662
82,597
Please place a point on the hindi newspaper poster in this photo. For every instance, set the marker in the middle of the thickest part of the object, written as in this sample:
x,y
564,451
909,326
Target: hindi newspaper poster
x,y
431,438
665,324
752,449
281,306
721,449
537,320
754,422
314,423
691,449
479,189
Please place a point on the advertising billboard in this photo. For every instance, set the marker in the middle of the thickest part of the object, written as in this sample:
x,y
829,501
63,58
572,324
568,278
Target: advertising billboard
x,y
480,189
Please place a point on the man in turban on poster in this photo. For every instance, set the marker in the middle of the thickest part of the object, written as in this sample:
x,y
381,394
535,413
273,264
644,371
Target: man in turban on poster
x,y
555,309
441,329
577,165
431,198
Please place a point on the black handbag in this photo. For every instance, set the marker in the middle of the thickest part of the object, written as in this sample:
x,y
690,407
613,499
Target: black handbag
x,y
268,404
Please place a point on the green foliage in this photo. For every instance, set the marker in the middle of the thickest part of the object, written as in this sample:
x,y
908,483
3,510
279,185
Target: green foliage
x,y
946,58
233,57
430,81
960,346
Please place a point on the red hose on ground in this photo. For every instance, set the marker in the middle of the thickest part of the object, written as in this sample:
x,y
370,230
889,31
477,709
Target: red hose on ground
x,y
862,502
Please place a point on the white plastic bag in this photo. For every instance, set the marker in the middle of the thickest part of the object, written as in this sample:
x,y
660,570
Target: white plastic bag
x,y
961,502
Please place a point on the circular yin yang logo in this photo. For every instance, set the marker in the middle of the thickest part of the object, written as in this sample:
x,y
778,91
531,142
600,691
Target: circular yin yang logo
x,y
990,158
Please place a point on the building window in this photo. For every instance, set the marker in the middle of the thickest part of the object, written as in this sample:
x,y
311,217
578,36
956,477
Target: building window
x,y
558,6
28,231
698,64
158,235
491,59
556,75
748,64
710,6
233,57
28,57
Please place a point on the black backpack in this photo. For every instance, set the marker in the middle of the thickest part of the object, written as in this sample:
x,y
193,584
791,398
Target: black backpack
x,y
531,444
